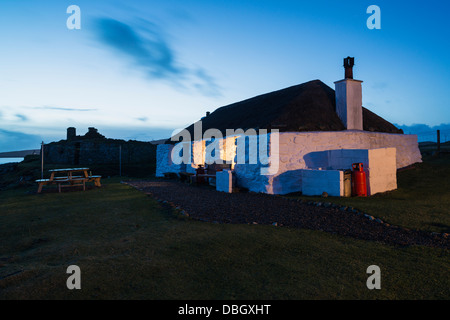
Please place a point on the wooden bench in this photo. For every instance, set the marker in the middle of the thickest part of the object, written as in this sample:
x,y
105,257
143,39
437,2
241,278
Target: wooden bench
x,y
60,183
74,182
43,182
96,180
78,181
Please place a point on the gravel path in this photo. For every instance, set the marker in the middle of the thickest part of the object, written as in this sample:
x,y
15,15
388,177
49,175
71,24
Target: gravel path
x,y
204,203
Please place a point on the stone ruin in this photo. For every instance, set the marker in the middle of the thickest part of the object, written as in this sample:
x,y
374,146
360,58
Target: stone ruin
x,y
94,148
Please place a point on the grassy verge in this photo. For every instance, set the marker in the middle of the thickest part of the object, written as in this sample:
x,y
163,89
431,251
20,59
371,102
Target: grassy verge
x,y
129,247
27,171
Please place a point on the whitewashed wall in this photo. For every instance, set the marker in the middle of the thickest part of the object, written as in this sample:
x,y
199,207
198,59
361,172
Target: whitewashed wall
x,y
248,167
315,182
309,150
163,160
297,151
304,149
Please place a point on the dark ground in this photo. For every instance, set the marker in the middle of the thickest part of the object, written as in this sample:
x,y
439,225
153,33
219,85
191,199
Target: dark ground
x,y
207,204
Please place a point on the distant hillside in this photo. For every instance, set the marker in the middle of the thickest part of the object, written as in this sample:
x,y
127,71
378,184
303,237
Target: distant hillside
x,y
19,154
430,143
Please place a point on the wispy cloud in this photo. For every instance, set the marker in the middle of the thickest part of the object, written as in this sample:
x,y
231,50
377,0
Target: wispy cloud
x,y
22,117
64,109
14,141
146,47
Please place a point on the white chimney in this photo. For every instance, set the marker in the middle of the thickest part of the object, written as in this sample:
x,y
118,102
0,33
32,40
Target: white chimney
x,y
349,98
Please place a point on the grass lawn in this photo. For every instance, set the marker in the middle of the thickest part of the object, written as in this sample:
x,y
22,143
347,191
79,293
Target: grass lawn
x,y
130,247
422,200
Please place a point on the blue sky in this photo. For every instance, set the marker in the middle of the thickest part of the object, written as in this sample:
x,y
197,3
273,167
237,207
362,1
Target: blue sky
x,y
141,69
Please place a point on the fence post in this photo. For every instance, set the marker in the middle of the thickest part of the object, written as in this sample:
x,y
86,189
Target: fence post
x,y
120,160
438,141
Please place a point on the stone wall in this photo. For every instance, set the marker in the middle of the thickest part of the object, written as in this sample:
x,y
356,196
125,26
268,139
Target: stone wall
x,y
99,151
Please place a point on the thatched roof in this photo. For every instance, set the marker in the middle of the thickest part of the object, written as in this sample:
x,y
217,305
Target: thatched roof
x,y
310,106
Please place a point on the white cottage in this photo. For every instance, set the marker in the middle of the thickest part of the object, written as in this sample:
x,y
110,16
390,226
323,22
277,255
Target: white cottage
x,y
298,139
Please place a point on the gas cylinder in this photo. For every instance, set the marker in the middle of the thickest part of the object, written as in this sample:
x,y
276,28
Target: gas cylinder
x,y
359,187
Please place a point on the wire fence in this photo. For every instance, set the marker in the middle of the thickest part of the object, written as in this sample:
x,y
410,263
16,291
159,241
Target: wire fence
x,y
434,136
114,159
78,150
433,142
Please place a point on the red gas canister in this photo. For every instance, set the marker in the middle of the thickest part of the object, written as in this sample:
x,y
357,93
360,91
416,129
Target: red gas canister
x,y
359,187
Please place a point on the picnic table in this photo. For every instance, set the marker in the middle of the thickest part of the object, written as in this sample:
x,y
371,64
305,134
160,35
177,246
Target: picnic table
x,y
70,177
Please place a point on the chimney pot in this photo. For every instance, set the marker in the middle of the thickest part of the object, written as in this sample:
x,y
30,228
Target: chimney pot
x,y
348,65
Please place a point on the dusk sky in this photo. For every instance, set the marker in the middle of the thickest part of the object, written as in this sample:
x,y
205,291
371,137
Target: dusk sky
x,y
141,69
